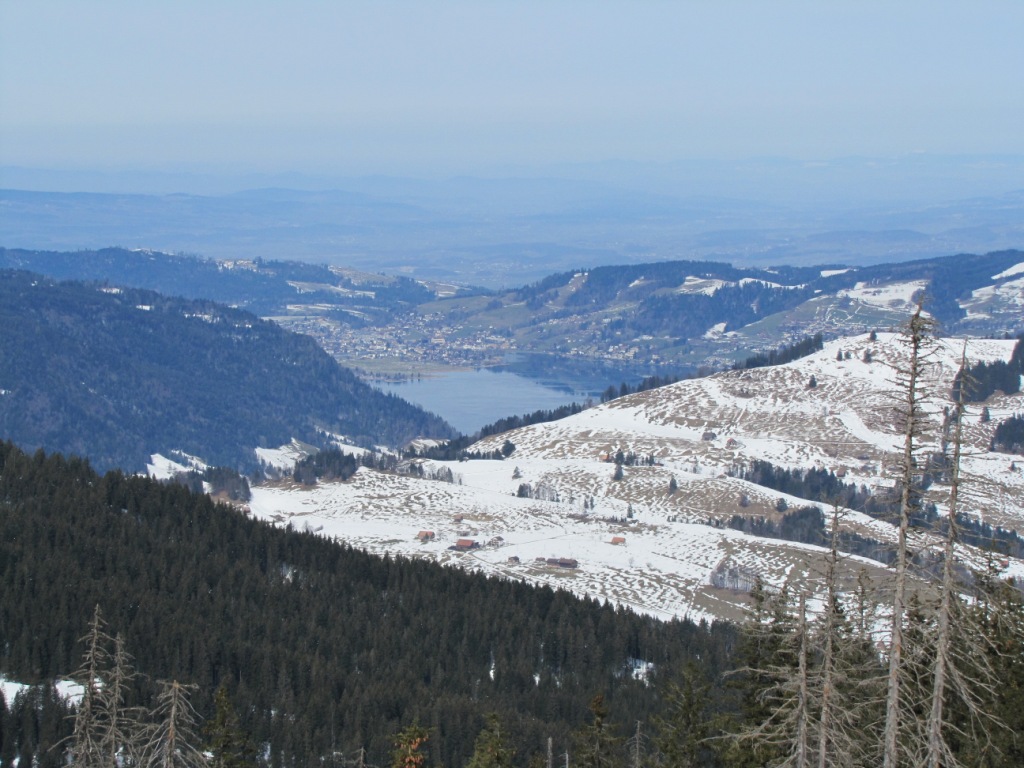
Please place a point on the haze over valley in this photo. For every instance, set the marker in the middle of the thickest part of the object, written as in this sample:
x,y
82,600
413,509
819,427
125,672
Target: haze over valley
x,y
511,385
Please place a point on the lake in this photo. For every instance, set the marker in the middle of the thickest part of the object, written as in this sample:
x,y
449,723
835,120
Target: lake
x,y
471,399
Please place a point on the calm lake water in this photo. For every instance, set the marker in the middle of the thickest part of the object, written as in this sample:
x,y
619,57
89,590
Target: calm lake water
x,y
469,400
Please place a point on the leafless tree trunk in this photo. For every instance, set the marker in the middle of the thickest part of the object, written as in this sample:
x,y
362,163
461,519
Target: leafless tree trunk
x,y
172,739
937,753
827,720
959,663
122,724
802,754
911,412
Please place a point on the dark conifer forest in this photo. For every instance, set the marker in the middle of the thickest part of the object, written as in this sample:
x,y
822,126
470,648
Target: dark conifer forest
x,y
118,374
320,647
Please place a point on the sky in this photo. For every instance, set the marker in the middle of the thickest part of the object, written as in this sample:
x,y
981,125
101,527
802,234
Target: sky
x,y
447,87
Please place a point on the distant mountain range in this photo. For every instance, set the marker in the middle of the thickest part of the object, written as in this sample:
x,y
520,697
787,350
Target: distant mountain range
x,y
643,318
116,374
513,231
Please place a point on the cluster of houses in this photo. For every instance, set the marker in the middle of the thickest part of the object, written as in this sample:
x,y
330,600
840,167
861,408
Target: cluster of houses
x,y
468,545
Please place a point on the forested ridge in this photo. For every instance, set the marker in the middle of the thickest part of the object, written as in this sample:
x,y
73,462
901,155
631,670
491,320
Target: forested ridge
x,y
262,287
317,643
118,374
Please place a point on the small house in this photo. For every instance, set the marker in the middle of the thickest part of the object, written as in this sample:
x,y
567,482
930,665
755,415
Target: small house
x,y
425,536
618,539
464,545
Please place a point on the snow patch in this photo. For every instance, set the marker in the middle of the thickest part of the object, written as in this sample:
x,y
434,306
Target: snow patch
x,y
286,456
891,296
715,331
67,689
1017,269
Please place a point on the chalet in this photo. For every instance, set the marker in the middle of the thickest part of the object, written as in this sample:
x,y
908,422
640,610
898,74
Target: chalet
x,y
497,541
464,545
618,539
514,560
425,536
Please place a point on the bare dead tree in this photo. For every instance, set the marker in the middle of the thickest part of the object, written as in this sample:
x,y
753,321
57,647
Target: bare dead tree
x,y
87,739
959,665
171,740
121,734
917,333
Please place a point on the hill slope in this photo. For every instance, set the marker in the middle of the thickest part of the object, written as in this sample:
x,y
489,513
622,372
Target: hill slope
x,y
321,647
556,495
117,375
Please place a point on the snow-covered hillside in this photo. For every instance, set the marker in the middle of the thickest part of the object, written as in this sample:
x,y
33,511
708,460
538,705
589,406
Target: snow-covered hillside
x,y
634,540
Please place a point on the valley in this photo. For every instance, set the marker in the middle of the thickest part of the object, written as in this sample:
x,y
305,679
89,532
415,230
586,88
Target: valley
x,y
556,496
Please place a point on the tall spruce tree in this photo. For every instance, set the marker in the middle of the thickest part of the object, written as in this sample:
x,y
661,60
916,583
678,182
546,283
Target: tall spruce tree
x,y
596,743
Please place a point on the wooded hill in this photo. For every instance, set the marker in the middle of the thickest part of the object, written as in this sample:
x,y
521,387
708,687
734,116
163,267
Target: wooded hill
x,y
319,645
116,376
263,287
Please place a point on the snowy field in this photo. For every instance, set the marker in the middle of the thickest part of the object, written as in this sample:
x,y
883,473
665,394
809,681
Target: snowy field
x,y
669,549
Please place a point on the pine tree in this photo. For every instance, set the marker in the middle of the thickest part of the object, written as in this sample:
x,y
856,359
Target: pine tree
x,y
491,749
597,746
227,743
683,726
765,660
408,746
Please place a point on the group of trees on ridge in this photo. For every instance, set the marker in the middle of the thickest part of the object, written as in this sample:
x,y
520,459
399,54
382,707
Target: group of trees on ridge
x,y
117,376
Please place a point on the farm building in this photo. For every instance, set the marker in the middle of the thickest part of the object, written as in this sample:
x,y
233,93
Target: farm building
x,y
562,562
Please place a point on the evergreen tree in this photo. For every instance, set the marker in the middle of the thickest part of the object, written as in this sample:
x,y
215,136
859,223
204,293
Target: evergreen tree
x,y
408,749
766,659
227,743
491,749
683,725
596,744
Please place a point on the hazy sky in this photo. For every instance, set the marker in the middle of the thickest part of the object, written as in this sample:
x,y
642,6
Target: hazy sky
x,y
440,86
